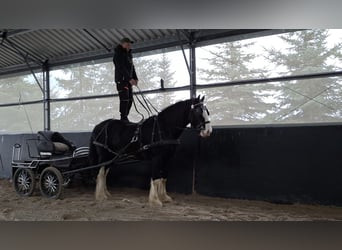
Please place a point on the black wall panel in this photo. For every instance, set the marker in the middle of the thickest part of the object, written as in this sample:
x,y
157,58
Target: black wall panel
x,y
278,164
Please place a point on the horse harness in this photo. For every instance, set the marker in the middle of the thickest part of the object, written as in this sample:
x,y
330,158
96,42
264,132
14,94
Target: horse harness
x,y
201,125
156,132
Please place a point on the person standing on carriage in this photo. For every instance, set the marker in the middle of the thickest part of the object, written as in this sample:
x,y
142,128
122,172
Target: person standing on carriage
x,y
125,76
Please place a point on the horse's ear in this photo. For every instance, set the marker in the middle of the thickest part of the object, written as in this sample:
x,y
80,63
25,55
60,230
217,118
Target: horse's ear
x,y
202,99
198,97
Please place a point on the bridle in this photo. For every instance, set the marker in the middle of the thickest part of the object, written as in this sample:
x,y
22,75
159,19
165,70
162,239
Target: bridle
x,y
194,109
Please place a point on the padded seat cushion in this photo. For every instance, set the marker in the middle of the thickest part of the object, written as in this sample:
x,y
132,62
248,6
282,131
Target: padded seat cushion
x,y
60,147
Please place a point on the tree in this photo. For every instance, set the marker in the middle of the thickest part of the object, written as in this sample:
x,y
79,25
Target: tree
x,y
230,62
164,70
307,52
167,74
19,118
150,70
147,70
307,100
84,81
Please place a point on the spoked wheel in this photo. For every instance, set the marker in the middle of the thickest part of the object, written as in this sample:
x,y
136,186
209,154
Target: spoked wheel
x,y
51,183
24,181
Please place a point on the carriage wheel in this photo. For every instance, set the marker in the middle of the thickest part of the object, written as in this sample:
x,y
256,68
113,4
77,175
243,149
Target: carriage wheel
x,y
51,183
24,181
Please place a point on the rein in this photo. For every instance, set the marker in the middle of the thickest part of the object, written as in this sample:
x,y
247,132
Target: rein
x,y
135,138
145,103
156,134
201,125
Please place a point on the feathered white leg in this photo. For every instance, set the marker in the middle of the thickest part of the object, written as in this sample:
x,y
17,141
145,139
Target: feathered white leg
x,y
163,195
101,192
154,191
106,190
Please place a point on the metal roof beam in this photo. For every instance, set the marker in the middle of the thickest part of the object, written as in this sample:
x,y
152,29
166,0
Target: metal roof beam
x,y
170,41
12,33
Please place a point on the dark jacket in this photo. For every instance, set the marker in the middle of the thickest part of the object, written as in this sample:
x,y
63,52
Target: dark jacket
x,y
123,61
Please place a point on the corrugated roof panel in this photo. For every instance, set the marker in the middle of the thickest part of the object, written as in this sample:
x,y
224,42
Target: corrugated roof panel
x,y
30,44
8,58
153,34
103,37
110,38
69,43
119,33
145,34
63,46
82,36
35,43
71,46
83,43
52,44
134,36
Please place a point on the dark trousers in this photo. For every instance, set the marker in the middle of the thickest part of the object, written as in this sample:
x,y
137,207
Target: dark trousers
x,y
126,98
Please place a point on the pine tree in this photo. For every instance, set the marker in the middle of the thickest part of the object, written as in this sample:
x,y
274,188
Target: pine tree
x,y
307,52
313,99
84,81
147,72
150,71
20,89
164,70
230,62
167,75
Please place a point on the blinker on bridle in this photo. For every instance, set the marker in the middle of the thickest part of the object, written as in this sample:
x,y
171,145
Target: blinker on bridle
x,y
201,125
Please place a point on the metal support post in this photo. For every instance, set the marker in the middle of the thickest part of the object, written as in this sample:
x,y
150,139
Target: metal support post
x,y
46,96
192,44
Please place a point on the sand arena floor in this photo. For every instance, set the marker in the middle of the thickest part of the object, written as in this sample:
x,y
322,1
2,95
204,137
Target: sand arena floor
x,y
128,204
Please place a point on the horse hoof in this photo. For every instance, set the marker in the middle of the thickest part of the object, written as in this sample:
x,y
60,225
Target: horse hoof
x,y
167,199
156,203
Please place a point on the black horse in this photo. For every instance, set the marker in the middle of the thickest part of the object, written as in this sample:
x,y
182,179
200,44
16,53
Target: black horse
x,y
153,139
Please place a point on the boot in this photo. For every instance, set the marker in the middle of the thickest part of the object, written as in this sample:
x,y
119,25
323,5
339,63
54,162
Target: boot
x,y
124,110
124,119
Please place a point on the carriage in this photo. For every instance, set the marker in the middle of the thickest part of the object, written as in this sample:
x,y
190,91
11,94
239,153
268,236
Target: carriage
x,y
52,161
49,159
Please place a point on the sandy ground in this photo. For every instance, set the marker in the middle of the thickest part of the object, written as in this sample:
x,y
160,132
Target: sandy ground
x,y
127,204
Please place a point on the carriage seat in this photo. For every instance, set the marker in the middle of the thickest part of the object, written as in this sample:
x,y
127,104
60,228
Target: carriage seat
x,y
53,143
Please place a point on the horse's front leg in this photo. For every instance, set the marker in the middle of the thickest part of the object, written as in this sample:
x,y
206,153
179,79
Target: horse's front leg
x,y
158,193
101,191
164,197
156,180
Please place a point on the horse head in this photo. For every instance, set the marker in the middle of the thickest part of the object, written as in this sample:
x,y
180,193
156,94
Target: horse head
x,y
199,117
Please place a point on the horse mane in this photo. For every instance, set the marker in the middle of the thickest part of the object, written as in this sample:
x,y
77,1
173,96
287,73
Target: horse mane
x,y
175,115
175,106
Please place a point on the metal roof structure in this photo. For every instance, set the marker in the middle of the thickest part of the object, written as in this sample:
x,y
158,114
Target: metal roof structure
x,y
21,49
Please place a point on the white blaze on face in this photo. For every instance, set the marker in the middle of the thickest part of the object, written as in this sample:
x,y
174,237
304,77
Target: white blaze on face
x,y
207,129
